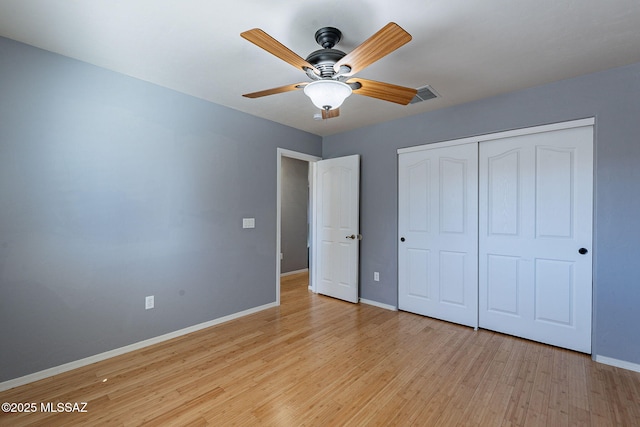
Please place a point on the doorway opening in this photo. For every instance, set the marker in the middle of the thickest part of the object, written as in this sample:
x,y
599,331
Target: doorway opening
x,y
295,215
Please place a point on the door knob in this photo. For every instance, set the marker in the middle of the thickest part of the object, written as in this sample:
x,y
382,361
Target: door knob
x,y
355,237
582,251
402,239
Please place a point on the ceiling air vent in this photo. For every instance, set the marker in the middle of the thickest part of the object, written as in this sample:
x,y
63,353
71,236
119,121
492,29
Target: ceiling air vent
x,y
424,93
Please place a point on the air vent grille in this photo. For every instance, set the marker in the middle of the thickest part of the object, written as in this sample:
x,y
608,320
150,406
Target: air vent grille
x,y
424,93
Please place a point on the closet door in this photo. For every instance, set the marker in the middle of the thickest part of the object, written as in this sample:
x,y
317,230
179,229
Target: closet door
x,y
535,236
437,226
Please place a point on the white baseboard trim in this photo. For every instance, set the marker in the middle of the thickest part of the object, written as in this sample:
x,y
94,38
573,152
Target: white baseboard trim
x,y
36,376
378,304
289,273
617,363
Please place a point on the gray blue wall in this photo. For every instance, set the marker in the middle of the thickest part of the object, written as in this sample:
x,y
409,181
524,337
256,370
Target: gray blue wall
x,y
613,98
112,189
294,214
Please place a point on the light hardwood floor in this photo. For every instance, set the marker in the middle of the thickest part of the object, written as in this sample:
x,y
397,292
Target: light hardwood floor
x,y
319,361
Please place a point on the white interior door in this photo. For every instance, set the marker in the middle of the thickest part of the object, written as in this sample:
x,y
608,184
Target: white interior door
x,y
536,205
336,243
438,231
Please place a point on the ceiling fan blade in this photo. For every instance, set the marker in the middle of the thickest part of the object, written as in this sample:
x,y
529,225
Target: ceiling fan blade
x,y
329,114
274,47
275,90
385,91
382,43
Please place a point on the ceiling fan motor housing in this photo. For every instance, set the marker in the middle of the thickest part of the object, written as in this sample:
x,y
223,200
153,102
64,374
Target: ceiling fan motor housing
x,y
324,59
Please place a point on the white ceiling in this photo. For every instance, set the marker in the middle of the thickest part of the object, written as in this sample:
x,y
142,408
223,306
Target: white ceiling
x,y
464,49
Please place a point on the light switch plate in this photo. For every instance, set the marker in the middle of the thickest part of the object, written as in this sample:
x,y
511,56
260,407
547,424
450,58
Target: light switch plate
x,y
248,223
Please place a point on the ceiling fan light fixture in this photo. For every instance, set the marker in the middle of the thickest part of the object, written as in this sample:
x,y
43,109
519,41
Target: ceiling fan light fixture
x,y
327,94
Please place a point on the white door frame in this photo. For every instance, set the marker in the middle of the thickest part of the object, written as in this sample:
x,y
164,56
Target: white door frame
x,y
311,160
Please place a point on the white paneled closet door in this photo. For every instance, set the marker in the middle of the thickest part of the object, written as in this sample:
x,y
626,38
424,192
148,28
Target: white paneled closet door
x,y
535,236
437,226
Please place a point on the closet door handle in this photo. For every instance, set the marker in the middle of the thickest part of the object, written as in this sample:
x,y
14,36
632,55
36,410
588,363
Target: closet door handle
x,y
583,251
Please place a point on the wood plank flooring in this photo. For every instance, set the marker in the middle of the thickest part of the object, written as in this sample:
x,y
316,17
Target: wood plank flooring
x,y
316,361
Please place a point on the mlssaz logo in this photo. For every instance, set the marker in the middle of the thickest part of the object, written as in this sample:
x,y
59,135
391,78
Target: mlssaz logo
x,y
63,407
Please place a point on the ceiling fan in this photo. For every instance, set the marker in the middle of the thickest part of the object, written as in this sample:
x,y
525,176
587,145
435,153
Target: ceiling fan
x,y
332,70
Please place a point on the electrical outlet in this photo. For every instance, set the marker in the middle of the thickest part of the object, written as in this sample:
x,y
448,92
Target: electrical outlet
x,y
376,276
149,302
